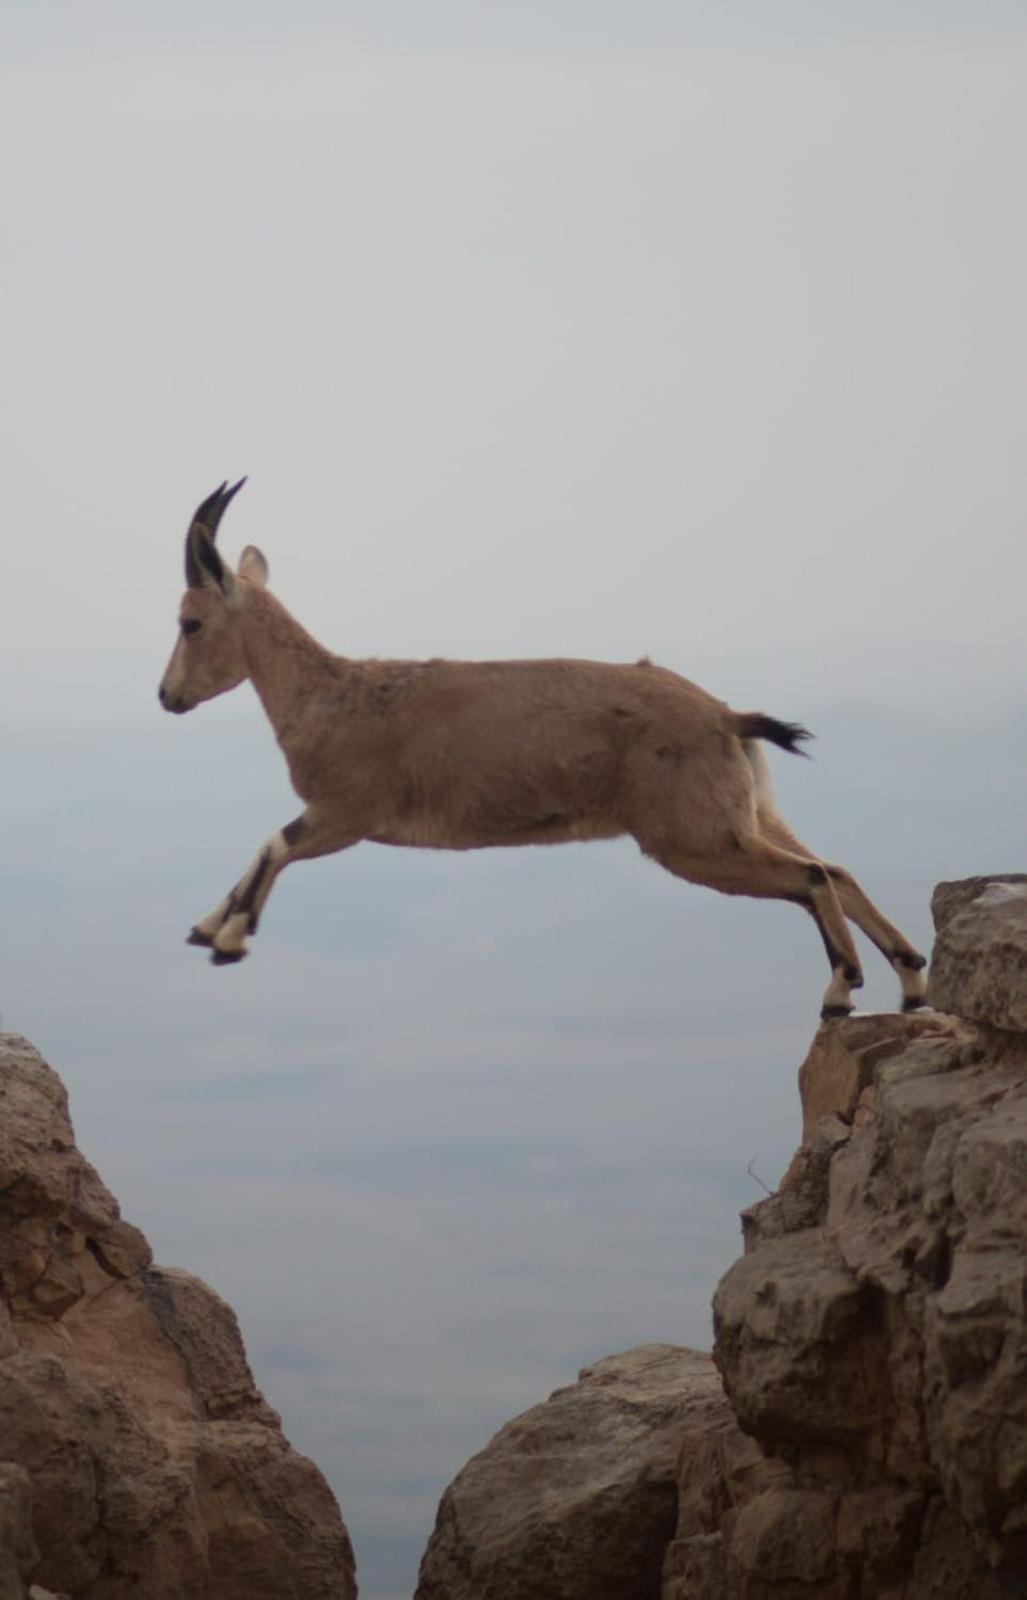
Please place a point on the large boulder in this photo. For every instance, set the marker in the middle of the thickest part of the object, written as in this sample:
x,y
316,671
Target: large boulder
x,y
979,964
139,1458
577,1498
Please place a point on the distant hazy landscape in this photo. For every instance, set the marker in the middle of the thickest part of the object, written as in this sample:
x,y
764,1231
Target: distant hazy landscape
x,y
460,1124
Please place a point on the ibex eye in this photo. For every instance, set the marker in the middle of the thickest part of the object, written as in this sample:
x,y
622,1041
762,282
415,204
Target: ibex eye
x,y
191,625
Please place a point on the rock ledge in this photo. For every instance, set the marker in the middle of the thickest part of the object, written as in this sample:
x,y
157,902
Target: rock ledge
x,y
869,1438
137,1457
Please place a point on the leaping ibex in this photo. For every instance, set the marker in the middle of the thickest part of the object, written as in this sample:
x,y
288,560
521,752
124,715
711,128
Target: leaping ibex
x,y
459,755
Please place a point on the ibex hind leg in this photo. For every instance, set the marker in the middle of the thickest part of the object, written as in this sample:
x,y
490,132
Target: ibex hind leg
x,y
906,961
753,865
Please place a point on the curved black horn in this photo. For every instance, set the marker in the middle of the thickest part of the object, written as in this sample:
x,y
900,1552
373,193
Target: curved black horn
x,y
209,514
206,517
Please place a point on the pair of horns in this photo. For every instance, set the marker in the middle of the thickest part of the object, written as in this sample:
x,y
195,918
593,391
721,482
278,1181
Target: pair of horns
x,y
200,553
209,514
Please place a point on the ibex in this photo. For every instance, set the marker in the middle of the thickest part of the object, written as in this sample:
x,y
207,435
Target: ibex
x,y
456,755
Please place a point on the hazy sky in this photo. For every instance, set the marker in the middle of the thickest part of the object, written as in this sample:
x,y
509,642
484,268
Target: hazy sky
x,y
598,329
586,329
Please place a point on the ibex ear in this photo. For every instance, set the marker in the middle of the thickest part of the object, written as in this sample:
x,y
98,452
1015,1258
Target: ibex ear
x,y
252,565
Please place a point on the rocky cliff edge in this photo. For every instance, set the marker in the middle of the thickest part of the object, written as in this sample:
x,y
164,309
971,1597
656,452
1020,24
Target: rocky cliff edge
x,y
137,1456
860,1432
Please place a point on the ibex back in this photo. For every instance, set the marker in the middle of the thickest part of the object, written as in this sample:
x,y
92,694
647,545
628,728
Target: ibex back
x,y
457,755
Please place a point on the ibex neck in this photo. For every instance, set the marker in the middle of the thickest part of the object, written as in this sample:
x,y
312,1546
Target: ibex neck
x,y
285,663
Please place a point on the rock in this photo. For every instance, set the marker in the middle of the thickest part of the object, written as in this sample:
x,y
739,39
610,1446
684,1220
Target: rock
x,y
783,1545
979,964
838,1073
577,1498
18,1552
873,1338
720,1470
870,1440
152,1464
949,899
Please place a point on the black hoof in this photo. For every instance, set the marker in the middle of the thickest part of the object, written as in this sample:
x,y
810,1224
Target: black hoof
x,y
915,1003
227,958
829,1012
202,939
914,962
853,977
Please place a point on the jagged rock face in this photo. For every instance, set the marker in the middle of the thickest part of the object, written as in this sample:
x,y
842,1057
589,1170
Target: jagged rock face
x,y
872,1441
136,1454
576,1499
979,964
18,1552
873,1336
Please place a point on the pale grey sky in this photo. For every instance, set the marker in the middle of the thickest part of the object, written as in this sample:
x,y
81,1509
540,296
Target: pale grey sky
x,y
585,329
572,329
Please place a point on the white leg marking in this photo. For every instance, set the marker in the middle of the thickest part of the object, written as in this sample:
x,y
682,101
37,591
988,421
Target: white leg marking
x,y
914,985
231,929
210,924
276,847
837,995
230,938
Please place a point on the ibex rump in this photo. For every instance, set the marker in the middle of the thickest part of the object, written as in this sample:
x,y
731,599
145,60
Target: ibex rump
x,y
461,755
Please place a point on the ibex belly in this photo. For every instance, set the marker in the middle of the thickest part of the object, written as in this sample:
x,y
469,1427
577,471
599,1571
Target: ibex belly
x,y
437,833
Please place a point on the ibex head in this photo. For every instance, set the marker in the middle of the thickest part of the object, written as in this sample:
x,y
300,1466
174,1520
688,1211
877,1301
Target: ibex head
x,y
208,658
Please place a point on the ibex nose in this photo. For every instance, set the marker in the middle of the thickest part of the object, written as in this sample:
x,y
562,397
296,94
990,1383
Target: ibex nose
x,y
172,702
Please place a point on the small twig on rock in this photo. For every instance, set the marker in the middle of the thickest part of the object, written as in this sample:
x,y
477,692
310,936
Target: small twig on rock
x,y
757,1179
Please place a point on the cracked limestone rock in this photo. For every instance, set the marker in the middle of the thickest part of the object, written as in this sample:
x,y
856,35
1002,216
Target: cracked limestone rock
x,y
979,964
577,1498
870,1438
137,1457
873,1338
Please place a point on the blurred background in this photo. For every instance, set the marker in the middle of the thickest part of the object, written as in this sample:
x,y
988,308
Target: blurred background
x,y
685,329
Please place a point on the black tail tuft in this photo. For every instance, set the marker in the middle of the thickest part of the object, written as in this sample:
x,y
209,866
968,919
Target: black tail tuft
x,y
789,735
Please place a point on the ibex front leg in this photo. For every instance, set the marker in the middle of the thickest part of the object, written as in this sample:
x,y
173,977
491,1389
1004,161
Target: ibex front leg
x,y
225,929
